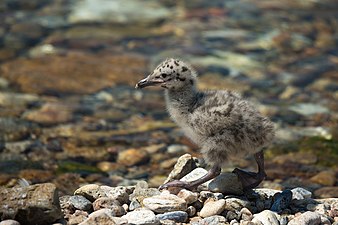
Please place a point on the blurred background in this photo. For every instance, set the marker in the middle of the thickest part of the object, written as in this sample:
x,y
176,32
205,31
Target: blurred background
x,y
69,113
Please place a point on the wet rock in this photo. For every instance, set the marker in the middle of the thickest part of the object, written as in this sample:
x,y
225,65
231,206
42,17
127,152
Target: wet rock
x,y
102,216
226,183
266,217
177,216
34,204
165,203
122,12
81,203
188,196
307,218
300,193
60,74
212,208
109,203
281,201
142,216
132,157
326,178
185,164
9,222
94,191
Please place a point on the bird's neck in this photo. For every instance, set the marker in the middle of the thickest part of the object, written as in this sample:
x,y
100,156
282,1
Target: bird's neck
x,y
183,98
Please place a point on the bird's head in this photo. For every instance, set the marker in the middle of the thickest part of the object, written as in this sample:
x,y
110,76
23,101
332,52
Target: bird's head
x,y
170,74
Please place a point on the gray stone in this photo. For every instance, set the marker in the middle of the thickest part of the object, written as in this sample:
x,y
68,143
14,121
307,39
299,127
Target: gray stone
x,y
177,216
141,217
80,202
34,204
142,191
165,203
212,208
308,109
266,217
196,174
236,203
185,164
9,222
307,218
213,220
281,201
226,183
300,193
109,203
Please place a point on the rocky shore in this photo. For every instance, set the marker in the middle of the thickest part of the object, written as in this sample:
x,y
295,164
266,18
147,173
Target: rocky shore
x,y
101,204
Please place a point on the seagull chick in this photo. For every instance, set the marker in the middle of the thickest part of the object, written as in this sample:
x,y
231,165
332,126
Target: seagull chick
x,y
220,122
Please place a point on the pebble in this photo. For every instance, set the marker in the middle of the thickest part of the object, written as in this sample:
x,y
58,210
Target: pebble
x,y
307,218
177,149
94,191
266,217
327,192
300,193
191,210
165,203
281,201
226,183
246,214
213,220
109,203
212,208
141,217
77,217
132,157
177,216
185,164
236,203
9,222
102,217
80,202
196,174
188,196
326,178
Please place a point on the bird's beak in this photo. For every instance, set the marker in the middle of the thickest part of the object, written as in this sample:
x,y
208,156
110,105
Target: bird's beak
x,y
148,81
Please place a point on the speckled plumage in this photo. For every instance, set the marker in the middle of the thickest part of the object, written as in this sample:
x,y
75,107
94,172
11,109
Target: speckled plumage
x,y
222,123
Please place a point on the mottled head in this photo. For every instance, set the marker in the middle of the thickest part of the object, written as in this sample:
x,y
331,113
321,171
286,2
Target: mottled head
x,y
171,74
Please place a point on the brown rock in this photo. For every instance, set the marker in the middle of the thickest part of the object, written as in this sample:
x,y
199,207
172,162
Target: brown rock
x,y
131,157
327,178
327,192
35,204
74,73
36,176
109,203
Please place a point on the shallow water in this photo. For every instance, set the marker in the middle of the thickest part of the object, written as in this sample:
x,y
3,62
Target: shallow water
x,y
69,109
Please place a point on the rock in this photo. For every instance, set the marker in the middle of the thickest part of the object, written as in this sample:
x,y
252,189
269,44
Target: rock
x,y
177,216
266,217
236,203
51,113
71,73
16,129
141,217
300,193
188,196
326,178
245,214
34,204
327,192
94,191
165,203
81,203
185,164
213,220
132,157
142,191
102,217
204,195
78,217
212,208
226,183
109,203
177,149
191,210
196,174
7,99
308,109
281,201
9,222
307,218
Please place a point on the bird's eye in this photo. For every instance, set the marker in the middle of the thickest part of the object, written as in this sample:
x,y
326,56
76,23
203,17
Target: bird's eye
x,y
164,75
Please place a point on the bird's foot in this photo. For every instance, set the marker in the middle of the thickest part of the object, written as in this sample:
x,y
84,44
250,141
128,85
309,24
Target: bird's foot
x,y
249,180
177,183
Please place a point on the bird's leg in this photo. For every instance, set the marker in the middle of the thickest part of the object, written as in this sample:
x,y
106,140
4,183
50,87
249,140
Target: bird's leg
x,y
250,179
212,173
